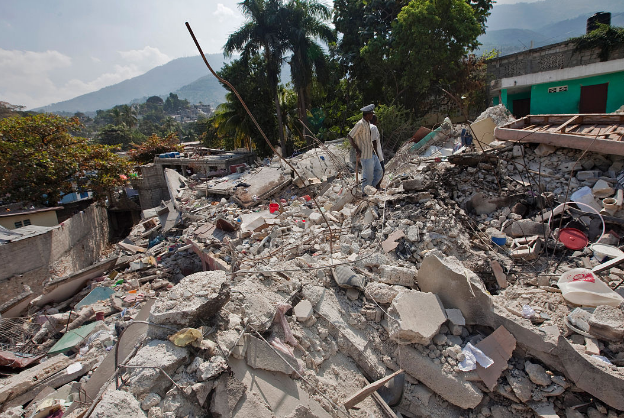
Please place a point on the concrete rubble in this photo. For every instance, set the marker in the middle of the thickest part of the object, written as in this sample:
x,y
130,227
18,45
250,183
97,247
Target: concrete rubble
x,y
241,297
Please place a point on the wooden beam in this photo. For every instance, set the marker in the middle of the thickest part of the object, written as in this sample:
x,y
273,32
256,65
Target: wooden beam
x,y
567,140
368,389
562,127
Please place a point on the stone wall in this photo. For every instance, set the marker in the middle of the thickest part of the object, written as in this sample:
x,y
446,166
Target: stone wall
x,y
71,246
151,186
551,57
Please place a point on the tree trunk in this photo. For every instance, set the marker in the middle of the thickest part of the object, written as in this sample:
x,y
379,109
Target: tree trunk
x,y
280,125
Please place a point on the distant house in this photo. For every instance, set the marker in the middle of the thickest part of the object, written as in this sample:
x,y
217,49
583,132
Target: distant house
x,y
18,218
557,79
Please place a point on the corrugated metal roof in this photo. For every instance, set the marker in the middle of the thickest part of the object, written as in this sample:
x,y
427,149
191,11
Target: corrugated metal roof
x,y
12,235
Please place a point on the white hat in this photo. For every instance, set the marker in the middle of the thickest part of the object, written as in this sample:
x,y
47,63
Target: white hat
x,y
368,109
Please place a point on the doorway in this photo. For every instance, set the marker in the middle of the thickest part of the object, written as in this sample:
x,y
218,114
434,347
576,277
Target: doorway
x,y
521,107
594,98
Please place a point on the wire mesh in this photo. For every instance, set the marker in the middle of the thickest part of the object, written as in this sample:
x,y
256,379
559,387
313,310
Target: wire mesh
x,y
16,335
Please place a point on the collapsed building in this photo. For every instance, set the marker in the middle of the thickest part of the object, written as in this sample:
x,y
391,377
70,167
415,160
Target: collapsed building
x,y
482,280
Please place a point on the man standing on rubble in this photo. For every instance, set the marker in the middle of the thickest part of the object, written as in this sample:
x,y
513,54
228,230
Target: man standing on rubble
x,y
360,139
376,138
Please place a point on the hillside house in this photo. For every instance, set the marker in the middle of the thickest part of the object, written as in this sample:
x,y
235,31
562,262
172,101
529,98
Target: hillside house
x,y
13,218
557,79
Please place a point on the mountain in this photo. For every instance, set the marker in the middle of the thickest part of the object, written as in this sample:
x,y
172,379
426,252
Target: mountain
x,y
159,81
536,15
205,89
508,41
516,27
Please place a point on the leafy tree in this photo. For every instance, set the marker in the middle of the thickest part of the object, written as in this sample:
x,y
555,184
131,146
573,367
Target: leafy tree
x,y
173,104
606,38
145,152
381,66
119,135
264,31
430,39
129,116
233,125
306,24
41,160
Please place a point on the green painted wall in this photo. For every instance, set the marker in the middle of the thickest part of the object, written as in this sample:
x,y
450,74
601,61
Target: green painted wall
x,y
495,101
568,101
512,97
504,98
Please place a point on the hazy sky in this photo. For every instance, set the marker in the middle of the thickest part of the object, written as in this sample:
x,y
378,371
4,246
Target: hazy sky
x,y
55,50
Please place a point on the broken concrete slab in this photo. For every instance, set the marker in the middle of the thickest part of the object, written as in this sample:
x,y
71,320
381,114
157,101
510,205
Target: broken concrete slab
x,y
395,275
118,403
525,228
61,289
18,384
155,355
450,387
211,369
380,292
457,287
198,296
227,394
520,384
260,356
537,374
607,323
415,317
303,310
279,392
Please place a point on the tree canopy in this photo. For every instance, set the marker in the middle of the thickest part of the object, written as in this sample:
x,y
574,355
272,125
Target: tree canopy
x,y
43,159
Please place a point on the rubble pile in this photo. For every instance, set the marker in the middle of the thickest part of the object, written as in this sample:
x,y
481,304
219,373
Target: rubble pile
x,y
455,291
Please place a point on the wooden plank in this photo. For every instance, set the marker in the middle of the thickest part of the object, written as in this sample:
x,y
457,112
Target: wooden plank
x,y
368,389
562,127
566,140
383,405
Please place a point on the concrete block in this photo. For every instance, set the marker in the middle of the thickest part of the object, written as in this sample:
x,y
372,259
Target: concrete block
x,y
456,287
118,403
380,292
211,369
197,297
156,353
303,310
525,228
397,275
455,317
452,388
420,316
607,322
537,374
260,356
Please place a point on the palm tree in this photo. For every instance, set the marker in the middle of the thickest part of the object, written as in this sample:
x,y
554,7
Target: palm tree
x,y
231,121
307,23
129,116
263,31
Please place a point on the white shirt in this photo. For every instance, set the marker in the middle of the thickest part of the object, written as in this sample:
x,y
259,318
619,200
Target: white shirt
x,y
375,137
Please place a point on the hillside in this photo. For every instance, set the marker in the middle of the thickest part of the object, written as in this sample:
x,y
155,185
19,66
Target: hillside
x,y
537,15
205,89
159,81
511,40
